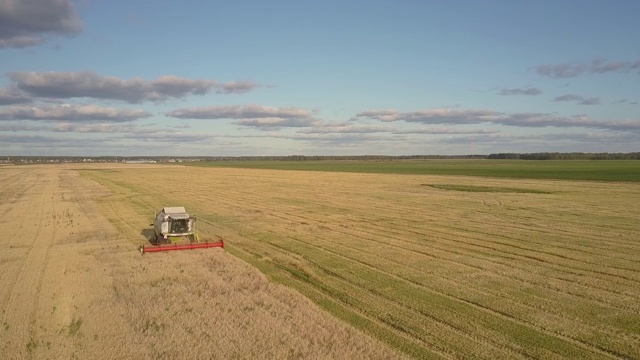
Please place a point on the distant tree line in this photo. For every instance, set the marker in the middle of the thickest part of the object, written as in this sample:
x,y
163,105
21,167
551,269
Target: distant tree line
x,y
567,156
343,157
515,156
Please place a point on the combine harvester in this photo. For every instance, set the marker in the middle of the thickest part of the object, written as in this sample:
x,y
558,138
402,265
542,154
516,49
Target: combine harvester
x,y
174,229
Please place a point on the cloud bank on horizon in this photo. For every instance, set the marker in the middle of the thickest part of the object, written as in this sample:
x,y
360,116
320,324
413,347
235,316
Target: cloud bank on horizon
x,y
283,78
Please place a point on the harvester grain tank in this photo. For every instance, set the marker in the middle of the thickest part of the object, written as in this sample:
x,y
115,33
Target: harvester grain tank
x,y
175,229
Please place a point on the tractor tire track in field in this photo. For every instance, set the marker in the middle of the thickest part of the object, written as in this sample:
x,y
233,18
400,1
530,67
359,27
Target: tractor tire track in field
x,y
22,301
482,237
351,294
430,254
467,247
46,308
485,254
476,304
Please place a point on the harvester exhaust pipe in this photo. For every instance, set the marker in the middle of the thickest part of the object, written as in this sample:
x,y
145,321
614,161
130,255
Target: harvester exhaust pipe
x,y
145,249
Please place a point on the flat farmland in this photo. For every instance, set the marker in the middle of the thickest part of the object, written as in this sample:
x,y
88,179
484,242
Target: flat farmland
x,y
74,286
436,266
618,170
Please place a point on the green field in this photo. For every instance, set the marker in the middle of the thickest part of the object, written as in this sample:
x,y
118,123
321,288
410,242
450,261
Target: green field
x,y
598,170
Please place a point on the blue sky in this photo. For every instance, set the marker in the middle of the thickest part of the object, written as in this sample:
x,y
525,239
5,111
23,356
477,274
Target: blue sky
x,y
189,78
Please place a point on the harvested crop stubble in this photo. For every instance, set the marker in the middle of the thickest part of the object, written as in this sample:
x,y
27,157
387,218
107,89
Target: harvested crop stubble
x,y
75,286
551,271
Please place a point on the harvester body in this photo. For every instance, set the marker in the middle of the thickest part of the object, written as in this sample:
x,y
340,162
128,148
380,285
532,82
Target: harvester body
x,y
175,229
173,224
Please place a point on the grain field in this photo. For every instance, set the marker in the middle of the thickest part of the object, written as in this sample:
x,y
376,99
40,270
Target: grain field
x,y
74,286
435,266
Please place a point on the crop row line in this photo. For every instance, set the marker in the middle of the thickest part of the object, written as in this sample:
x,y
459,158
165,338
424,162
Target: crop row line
x,y
373,310
290,215
447,248
461,300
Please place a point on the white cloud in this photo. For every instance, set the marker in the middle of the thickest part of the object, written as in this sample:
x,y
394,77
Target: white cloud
x,y
433,116
446,131
347,128
569,97
70,113
238,112
67,85
459,117
581,100
13,96
524,91
259,116
166,138
590,101
574,69
26,23
95,128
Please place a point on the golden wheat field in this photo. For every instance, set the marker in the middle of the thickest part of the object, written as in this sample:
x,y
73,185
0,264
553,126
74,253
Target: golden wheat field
x,y
74,286
390,265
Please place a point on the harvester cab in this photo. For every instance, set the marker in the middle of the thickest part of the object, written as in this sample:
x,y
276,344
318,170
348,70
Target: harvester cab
x,y
175,229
